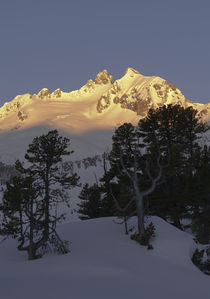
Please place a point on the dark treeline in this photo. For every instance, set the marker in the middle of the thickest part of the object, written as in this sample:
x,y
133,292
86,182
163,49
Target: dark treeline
x,y
156,168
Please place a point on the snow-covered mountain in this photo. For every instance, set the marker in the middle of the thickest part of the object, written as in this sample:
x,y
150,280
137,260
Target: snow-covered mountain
x,y
87,115
103,260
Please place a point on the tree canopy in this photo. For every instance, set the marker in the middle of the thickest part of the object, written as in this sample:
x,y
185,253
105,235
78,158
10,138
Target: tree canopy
x,y
30,202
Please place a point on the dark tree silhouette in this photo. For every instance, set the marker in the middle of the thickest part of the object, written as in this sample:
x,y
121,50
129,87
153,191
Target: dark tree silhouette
x,y
30,201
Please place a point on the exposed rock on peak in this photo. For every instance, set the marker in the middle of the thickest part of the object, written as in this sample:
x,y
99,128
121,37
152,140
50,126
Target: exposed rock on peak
x,y
16,107
103,78
56,93
99,103
44,92
90,84
140,93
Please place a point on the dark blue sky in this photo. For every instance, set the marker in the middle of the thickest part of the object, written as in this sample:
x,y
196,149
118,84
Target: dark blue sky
x,y
63,43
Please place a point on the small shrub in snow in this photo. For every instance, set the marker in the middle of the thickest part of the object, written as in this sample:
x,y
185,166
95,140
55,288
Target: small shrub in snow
x,y
201,260
148,235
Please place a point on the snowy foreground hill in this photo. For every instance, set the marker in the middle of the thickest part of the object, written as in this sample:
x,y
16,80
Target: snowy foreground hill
x,y
105,264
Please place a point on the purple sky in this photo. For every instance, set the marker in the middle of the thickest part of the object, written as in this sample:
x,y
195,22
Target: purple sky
x,y
63,43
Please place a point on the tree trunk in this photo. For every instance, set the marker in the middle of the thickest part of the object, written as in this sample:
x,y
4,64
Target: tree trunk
x,y
177,223
140,215
139,208
31,249
126,224
31,252
47,204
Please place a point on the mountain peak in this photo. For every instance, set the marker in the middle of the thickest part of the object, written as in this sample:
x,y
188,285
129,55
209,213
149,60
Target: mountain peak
x,y
131,72
103,78
44,92
99,103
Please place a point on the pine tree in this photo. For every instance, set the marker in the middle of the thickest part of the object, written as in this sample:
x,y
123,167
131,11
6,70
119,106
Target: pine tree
x,y
128,164
115,184
30,202
177,130
198,196
90,205
108,207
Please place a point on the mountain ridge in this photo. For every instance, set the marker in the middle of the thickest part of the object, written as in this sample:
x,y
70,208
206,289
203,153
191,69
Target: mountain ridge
x,y
89,113
134,92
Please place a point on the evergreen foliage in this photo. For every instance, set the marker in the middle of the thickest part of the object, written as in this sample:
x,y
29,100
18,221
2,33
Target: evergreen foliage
x,y
199,197
157,167
200,261
177,130
127,169
116,186
30,201
90,205
172,133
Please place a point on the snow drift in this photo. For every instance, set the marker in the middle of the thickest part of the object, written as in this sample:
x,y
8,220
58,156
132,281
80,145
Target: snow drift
x,y
105,263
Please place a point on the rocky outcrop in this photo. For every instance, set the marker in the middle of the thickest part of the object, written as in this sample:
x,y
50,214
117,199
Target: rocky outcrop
x,y
103,78
133,92
44,93
57,93
16,106
140,93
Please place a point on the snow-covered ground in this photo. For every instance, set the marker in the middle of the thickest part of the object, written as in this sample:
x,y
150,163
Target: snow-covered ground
x,y
104,264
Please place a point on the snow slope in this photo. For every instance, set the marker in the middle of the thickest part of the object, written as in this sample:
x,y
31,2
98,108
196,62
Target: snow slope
x,y
104,263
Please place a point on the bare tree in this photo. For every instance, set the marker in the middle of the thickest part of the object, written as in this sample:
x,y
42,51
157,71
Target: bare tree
x,y
138,194
123,210
128,160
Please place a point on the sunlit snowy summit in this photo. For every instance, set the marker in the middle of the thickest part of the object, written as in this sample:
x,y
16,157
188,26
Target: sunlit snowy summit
x,y
101,104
